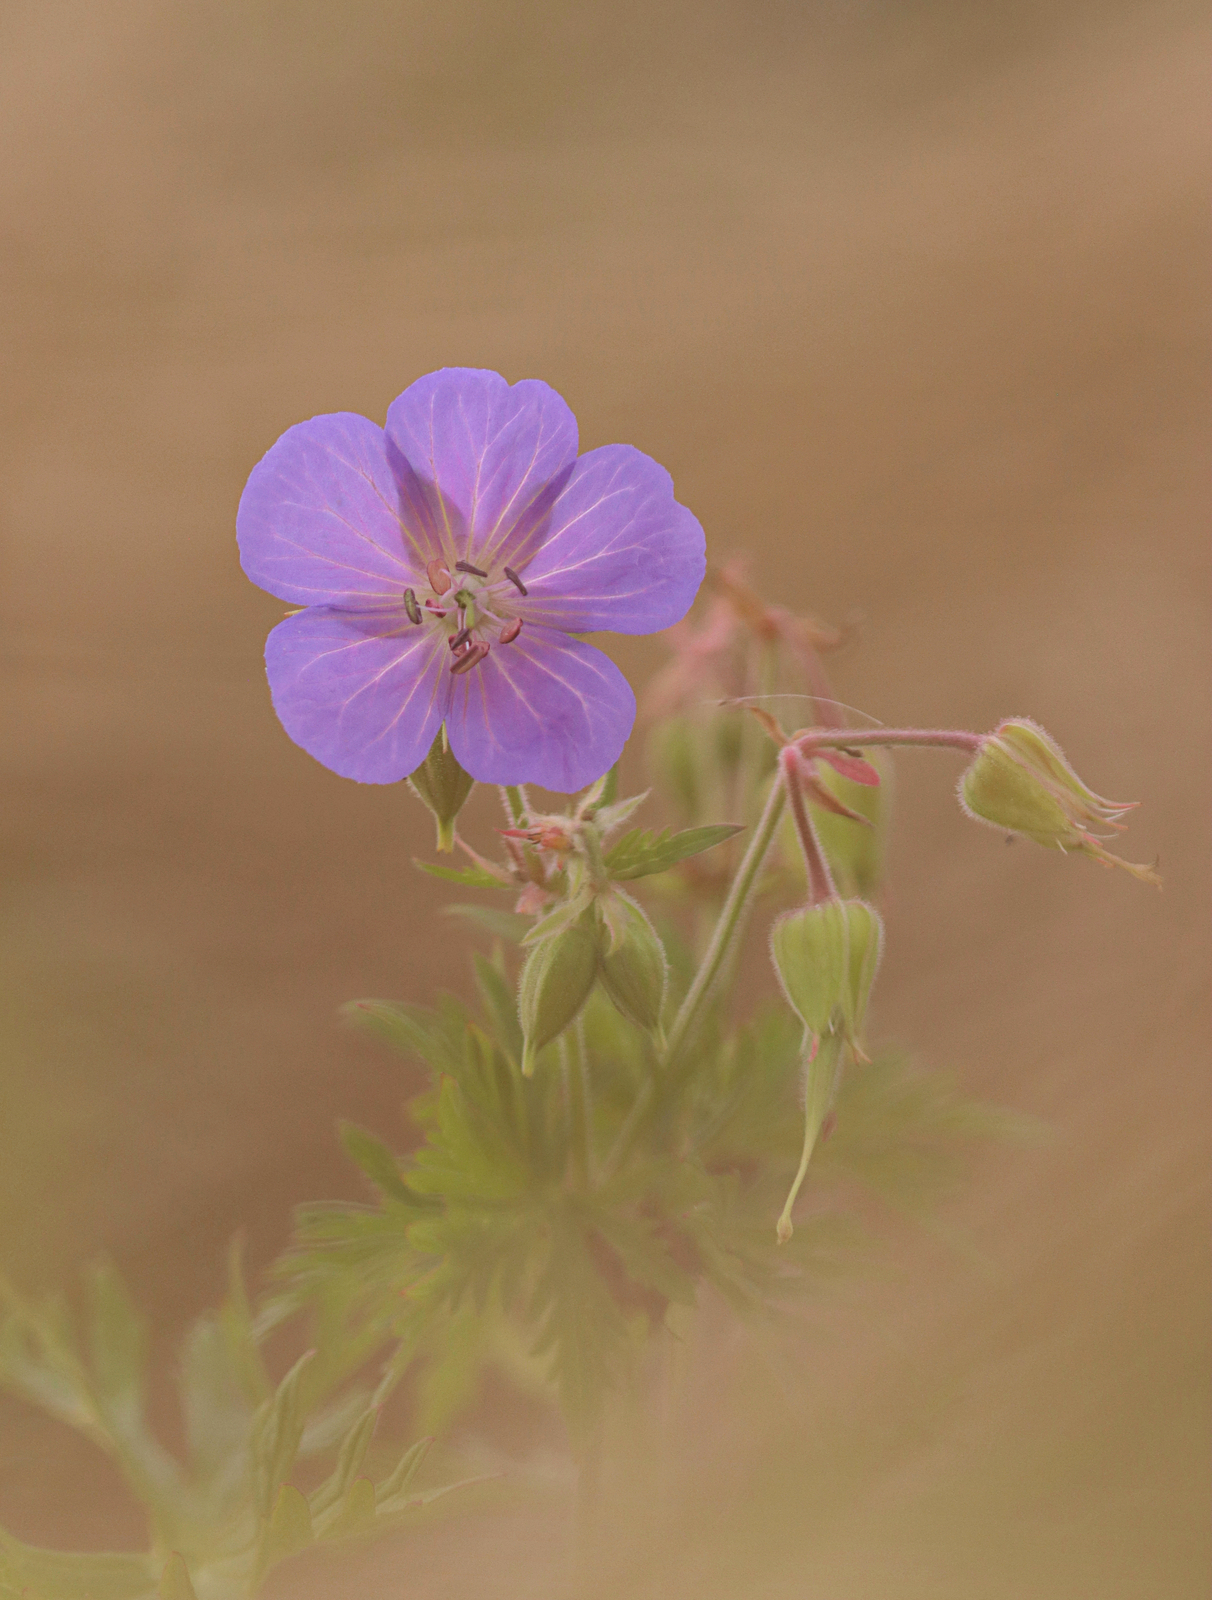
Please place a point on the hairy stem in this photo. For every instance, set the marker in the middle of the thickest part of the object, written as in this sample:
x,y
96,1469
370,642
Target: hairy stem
x,y
841,738
820,879
731,920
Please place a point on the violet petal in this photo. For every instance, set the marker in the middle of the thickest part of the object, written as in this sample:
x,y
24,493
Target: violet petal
x,y
545,709
364,692
325,516
619,552
491,457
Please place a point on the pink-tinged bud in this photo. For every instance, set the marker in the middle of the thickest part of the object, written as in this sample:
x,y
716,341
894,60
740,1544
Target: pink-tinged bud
x,y
1020,782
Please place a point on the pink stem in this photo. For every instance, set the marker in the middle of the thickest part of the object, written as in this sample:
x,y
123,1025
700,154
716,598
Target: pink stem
x,y
841,738
820,879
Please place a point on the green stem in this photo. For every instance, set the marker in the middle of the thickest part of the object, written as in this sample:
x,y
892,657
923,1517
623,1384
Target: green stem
x,y
731,920
578,1126
516,806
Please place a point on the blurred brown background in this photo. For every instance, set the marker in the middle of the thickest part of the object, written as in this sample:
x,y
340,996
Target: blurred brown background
x,y
910,297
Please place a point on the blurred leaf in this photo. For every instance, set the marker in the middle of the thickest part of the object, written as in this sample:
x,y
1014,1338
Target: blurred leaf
x,y
639,853
118,1345
500,1006
56,1575
508,925
467,877
414,1030
349,1462
276,1433
375,1160
406,1469
290,1528
175,1581
355,1515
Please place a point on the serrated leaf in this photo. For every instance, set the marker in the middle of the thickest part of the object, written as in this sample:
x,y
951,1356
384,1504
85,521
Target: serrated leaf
x,y
290,1527
414,1030
466,877
356,1513
640,852
397,1481
500,1006
276,1433
508,925
611,816
349,1462
375,1160
175,1583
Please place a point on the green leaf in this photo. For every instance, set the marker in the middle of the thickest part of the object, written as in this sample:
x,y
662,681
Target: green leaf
x,y
397,1482
508,925
175,1581
277,1431
641,852
349,1462
375,1160
500,1006
118,1343
355,1515
414,1030
290,1527
467,877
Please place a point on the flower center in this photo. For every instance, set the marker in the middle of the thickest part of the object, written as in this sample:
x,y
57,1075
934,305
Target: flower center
x,y
473,608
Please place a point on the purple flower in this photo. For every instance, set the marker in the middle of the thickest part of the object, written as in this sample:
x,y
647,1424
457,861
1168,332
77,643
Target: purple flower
x,y
444,564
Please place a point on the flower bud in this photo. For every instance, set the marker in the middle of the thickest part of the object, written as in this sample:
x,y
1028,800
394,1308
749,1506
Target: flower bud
x,y
443,786
632,966
555,984
1021,783
855,853
826,956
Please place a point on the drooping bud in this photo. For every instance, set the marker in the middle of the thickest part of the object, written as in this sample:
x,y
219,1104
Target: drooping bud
x,y
855,852
633,966
826,957
443,786
1020,782
555,983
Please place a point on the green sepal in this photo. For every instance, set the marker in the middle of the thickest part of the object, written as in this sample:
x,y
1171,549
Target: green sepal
x,y
632,966
443,786
555,983
375,1160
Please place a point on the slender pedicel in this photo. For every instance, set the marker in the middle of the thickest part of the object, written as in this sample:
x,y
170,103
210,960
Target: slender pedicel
x,y
469,658
466,566
458,640
411,606
511,630
516,581
439,576
435,608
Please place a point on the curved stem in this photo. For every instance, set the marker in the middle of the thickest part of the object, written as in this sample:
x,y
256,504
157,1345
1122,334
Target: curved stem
x,y
731,920
820,1083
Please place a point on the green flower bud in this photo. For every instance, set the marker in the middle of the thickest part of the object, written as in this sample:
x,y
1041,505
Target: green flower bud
x,y
555,984
855,854
443,786
1020,782
826,956
632,966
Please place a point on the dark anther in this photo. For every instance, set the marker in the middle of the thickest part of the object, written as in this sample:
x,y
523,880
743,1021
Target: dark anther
x,y
458,640
466,566
469,658
515,580
411,606
511,630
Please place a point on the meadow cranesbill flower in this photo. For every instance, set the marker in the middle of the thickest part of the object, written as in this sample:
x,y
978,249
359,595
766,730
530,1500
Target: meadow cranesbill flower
x,y
444,565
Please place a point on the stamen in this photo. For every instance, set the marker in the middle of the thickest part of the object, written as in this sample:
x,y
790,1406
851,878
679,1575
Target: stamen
x,y
511,630
516,581
411,606
432,605
466,566
458,640
469,658
439,576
